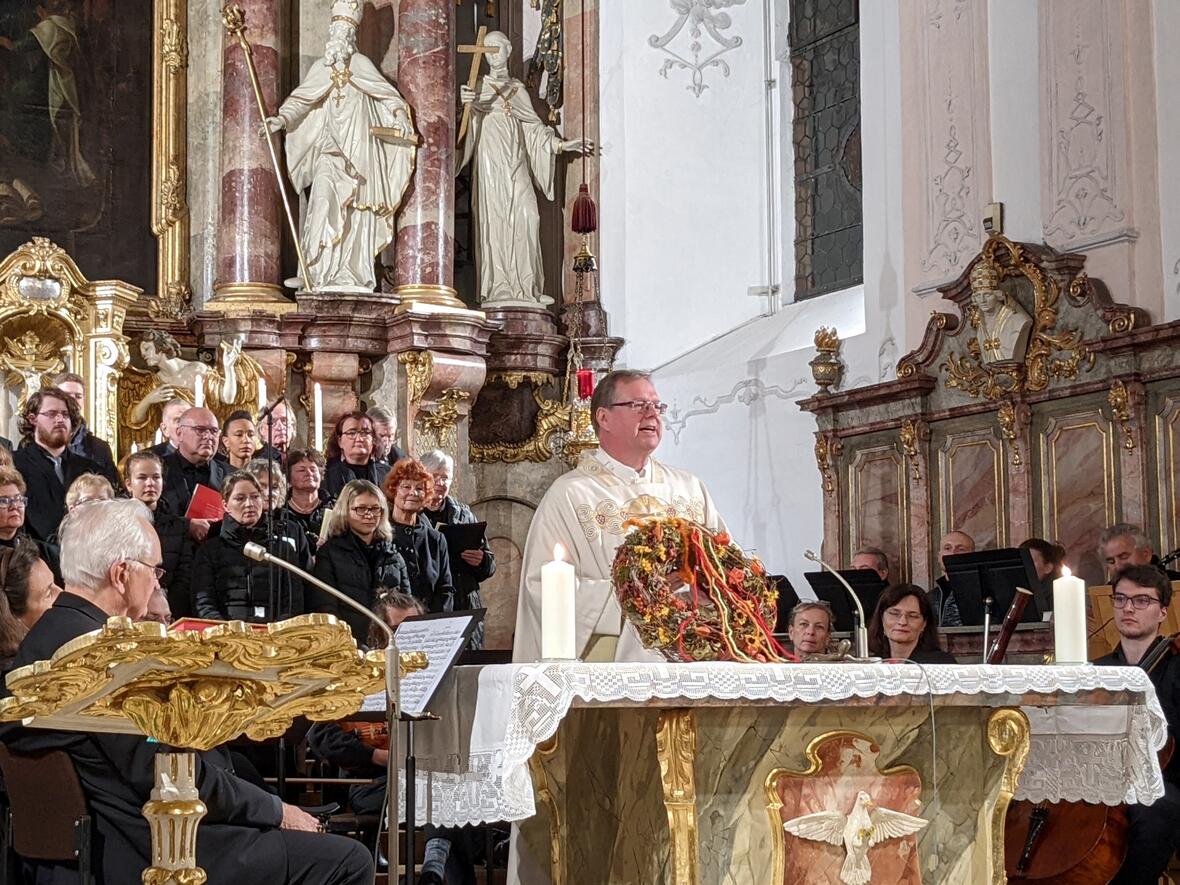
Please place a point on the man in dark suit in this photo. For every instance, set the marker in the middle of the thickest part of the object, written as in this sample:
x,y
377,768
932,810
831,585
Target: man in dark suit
x,y
84,442
169,426
192,464
277,431
45,460
110,557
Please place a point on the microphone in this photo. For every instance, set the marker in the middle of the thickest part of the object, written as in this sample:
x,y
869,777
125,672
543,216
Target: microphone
x,y
392,682
860,632
265,413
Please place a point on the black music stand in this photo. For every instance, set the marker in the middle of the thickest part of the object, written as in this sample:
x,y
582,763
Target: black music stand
x,y
787,600
865,583
974,577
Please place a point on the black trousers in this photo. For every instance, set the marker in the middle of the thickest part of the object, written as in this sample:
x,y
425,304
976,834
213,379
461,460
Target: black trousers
x,y
324,859
1153,837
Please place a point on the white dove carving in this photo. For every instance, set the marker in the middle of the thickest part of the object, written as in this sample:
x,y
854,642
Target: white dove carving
x,y
866,825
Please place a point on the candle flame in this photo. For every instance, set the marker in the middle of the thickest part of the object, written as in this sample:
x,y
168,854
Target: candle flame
x,y
1065,572
558,553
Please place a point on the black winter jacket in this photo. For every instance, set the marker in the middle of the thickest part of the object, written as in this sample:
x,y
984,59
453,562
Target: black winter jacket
x,y
425,551
177,550
466,578
228,586
358,569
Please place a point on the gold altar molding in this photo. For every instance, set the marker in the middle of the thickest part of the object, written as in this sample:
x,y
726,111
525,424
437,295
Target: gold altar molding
x,y
48,308
676,748
170,211
1008,736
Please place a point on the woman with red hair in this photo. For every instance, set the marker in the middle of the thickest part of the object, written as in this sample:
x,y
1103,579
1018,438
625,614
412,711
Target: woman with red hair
x,y
422,546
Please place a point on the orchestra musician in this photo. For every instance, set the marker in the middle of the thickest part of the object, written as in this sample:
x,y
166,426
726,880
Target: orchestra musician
x,y
1141,596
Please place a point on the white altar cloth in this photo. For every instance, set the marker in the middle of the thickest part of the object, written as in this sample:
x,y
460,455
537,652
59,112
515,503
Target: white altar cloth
x,y
473,765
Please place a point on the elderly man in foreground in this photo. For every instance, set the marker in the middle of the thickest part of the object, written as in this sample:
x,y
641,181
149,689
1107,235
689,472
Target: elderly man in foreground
x,y
111,566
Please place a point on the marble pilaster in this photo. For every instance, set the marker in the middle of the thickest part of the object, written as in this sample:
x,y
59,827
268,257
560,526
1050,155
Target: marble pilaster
x,y
527,341
336,374
424,249
249,236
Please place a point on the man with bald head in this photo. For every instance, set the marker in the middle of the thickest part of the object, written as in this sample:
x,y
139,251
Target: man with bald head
x,y
953,543
191,465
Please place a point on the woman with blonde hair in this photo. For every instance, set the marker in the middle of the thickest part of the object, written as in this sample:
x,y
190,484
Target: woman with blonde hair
x,y
88,487
358,554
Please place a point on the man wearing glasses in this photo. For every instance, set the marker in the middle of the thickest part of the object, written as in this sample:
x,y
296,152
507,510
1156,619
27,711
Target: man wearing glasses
x,y
192,464
1141,596
45,460
585,511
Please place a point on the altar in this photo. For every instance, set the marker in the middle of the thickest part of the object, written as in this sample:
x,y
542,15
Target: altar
x,y
686,773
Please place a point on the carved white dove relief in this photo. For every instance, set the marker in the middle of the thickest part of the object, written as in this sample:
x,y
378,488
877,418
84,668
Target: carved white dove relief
x,y
866,826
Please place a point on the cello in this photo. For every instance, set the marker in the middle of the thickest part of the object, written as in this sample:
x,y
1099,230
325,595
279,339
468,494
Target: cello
x,y
1072,843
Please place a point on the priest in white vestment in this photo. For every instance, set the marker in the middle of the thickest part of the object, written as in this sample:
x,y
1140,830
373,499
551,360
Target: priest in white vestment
x,y
355,177
585,511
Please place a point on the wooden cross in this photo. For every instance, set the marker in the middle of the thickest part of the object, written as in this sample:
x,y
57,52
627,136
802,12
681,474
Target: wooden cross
x,y
477,52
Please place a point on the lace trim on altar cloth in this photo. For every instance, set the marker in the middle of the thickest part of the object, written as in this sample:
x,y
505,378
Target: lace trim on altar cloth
x,y
1098,753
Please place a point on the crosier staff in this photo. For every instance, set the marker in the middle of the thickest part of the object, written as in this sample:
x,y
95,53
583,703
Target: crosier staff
x,y
234,20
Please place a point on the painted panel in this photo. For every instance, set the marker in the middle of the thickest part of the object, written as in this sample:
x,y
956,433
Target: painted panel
x,y
971,490
878,513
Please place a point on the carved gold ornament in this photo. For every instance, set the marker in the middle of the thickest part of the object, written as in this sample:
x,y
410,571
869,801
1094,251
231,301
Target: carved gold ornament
x,y
827,450
199,689
1007,418
1120,406
911,434
676,749
438,427
1008,736
1051,354
552,419
419,365
170,210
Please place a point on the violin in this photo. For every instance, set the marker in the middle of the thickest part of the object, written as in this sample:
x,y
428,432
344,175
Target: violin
x,y
1074,843
372,734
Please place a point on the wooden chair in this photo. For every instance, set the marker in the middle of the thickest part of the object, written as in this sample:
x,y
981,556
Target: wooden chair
x,y
56,832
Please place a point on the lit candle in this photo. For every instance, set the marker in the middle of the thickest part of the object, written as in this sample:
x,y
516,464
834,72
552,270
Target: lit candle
x,y
199,392
262,400
318,416
558,640
1069,619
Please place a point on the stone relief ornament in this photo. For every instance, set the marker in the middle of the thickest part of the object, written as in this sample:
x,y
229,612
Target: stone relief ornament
x,y
703,18
998,362
351,148
510,149
864,826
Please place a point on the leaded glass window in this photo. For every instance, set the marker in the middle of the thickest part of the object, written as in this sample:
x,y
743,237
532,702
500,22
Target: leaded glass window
x,y
825,81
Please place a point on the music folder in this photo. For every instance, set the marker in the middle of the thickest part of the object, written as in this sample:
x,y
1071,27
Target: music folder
x,y
865,583
463,535
974,577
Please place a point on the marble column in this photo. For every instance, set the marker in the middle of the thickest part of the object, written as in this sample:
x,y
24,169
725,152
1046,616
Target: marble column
x,y
249,273
424,250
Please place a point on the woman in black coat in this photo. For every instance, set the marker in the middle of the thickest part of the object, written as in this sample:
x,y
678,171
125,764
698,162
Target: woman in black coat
x,y
229,586
421,545
143,476
359,555
307,502
351,454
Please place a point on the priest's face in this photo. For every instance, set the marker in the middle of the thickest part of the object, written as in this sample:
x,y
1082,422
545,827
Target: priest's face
x,y
626,432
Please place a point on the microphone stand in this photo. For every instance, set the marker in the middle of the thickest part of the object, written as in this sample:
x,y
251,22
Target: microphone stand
x,y
860,631
987,627
392,694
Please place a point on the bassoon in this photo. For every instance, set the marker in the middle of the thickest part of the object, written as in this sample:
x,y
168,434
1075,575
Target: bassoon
x,y
1015,612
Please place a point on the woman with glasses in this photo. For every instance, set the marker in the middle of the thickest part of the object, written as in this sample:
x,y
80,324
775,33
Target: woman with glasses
x,y
422,546
903,627
351,454
226,584
280,523
239,439
307,502
12,505
358,554
27,590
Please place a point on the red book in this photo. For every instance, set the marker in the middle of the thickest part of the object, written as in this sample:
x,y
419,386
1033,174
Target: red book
x,y
205,504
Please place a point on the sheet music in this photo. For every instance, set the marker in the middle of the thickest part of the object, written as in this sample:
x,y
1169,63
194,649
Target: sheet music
x,y
442,639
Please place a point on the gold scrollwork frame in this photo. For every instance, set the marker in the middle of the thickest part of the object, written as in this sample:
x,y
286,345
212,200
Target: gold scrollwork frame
x,y
814,765
1008,736
170,209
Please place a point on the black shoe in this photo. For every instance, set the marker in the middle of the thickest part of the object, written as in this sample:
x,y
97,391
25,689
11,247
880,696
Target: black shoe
x,y
430,878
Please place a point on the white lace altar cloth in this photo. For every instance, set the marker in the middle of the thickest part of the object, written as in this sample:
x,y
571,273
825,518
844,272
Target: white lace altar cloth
x,y
476,769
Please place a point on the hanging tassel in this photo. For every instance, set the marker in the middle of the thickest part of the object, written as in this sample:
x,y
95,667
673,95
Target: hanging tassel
x,y
585,213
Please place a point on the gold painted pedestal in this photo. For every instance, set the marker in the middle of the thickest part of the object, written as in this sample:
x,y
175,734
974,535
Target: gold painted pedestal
x,y
195,690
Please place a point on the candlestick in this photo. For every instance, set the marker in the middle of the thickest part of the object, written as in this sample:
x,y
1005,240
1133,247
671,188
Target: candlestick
x,y
262,399
318,416
1069,619
558,633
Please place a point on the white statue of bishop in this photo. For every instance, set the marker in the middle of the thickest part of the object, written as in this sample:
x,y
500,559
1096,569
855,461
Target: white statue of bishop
x,y
511,149
350,144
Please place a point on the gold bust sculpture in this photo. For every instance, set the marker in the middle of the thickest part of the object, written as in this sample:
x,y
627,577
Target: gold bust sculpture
x,y
1002,326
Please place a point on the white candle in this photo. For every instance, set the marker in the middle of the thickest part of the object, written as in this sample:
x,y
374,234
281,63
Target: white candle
x,y
558,635
134,448
199,392
262,400
159,436
1069,619
318,416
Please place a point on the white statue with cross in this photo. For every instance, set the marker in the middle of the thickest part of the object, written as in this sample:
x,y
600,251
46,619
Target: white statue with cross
x,y
350,147
511,151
